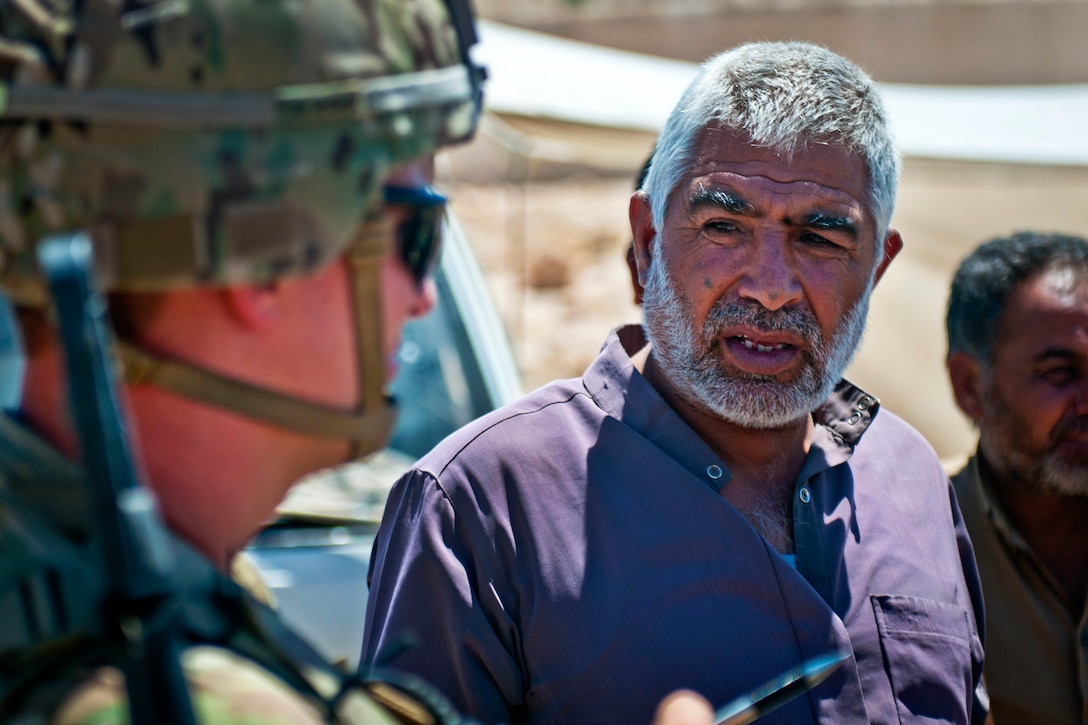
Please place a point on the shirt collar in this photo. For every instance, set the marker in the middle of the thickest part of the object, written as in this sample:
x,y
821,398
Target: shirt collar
x,y
991,505
625,394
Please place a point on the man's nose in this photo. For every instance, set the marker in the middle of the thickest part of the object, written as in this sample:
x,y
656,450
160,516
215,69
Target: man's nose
x,y
769,277
423,298
1080,399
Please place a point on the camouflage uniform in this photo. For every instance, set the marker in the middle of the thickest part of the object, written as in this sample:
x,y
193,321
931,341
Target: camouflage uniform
x,y
217,617
201,142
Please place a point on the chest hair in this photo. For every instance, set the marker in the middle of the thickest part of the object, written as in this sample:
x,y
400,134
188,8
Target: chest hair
x,y
767,508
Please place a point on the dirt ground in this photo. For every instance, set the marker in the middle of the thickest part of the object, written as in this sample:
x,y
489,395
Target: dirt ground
x,y
553,255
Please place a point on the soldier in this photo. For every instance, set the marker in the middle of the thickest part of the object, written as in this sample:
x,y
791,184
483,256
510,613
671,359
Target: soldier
x,y
224,161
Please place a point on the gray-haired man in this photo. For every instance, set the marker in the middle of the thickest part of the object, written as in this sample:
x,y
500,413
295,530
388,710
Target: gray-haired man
x,y
711,506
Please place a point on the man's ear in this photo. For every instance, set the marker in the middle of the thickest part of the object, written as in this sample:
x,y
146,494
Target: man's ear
x,y
965,374
254,306
643,233
893,245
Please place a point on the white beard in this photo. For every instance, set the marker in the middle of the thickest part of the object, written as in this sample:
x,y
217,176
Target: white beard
x,y
692,363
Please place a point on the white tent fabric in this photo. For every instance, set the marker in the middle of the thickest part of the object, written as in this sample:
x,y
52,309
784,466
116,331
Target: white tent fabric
x,y
538,75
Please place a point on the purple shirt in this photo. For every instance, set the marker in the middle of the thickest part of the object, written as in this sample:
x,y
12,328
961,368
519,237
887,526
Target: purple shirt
x,y
568,559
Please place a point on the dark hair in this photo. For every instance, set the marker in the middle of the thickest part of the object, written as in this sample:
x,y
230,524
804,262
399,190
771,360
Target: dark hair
x,y
986,278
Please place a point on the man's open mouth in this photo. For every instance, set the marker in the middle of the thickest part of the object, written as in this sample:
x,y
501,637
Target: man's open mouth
x,y
760,347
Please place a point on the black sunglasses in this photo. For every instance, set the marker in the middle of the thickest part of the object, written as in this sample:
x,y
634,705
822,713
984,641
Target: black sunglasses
x,y
419,236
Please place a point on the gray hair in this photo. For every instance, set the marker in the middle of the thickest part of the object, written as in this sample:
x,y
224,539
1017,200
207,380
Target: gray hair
x,y
988,275
784,96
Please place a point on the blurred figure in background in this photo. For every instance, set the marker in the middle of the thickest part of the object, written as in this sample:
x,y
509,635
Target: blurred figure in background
x,y
1018,362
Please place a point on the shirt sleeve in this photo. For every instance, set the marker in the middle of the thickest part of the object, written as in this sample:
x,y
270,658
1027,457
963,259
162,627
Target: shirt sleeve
x,y
980,703
433,608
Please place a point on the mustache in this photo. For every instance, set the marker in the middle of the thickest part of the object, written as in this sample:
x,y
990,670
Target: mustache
x,y
1076,425
750,313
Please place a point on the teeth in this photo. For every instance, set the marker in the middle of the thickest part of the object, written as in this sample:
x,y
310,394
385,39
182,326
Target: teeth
x,y
760,348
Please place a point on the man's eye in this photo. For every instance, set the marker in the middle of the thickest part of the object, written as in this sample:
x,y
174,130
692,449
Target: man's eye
x,y
720,227
815,240
1059,376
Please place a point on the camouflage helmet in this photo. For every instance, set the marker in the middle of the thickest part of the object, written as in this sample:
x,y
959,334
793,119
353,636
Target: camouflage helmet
x,y
222,142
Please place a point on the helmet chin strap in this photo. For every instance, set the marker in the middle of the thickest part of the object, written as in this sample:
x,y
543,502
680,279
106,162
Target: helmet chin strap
x,y
368,426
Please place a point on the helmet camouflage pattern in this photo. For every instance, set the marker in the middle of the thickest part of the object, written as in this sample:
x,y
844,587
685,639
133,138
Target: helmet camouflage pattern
x,y
215,141
222,142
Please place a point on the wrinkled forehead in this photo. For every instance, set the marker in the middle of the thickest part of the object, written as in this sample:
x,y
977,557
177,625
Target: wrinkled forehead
x,y
825,157
822,170
1047,308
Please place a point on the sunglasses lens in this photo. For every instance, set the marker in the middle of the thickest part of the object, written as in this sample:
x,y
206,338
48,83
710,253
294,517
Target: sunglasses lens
x,y
420,240
419,236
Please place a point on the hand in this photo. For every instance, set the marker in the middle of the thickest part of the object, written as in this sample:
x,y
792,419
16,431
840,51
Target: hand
x,y
684,707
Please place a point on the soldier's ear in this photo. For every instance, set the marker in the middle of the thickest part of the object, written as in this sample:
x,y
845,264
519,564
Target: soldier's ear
x,y
965,374
254,306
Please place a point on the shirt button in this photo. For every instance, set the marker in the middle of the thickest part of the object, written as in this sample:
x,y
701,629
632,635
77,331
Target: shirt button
x,y
714,471
805,495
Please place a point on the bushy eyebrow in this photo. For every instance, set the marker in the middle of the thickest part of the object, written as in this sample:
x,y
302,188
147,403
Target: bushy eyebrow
x,y
720,200
1060,354
831,223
